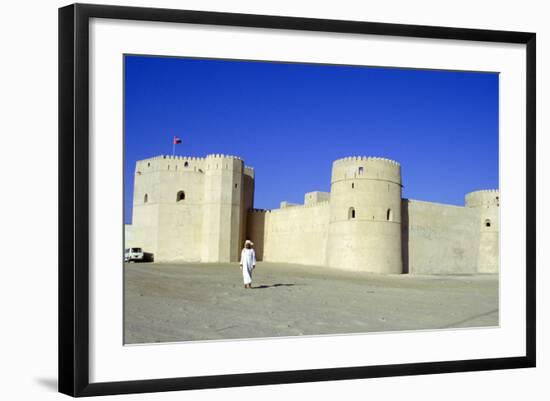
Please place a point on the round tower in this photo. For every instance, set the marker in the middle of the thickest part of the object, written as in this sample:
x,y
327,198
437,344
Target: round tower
x,y
223,208
365,215
487,203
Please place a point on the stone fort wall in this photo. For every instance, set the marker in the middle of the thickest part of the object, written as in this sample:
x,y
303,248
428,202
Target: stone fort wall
x,y
439,239
294,234
362,224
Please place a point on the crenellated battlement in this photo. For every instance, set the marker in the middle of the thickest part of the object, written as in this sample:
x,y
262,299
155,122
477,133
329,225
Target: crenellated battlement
x,y
184,159
187,164
170,163
366,168
219,162
222,156
173,157
484,197
363,158
485,191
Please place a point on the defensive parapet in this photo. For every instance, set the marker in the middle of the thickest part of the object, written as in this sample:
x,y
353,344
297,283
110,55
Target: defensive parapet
x,y
487,202
169,163
365,215
366,167
486,197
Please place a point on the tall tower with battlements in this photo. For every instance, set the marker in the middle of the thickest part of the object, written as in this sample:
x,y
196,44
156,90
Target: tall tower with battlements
x,y
223,209
487,203
191,208
365,215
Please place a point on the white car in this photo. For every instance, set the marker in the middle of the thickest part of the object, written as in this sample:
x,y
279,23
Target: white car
x,y
133,255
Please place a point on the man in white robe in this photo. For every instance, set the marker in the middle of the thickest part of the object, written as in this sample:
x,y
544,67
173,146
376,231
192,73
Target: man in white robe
x,y
248,263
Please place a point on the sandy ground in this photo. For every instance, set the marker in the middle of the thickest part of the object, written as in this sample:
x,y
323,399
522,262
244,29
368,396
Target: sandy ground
x,y
180,302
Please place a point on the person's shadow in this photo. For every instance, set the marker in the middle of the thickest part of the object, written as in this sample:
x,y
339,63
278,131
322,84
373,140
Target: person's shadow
x,y
259,287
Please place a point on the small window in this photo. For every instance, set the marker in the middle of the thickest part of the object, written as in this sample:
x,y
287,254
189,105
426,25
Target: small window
x,y
168,167
235,185
186,164
352,185
145,198
488,223
389,215
351,213
360,170
180,196
148,164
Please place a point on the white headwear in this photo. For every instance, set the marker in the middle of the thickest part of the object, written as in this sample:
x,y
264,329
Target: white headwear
x,y
248,242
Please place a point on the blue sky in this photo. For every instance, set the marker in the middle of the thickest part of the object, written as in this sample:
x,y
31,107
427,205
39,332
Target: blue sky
x,y
290,121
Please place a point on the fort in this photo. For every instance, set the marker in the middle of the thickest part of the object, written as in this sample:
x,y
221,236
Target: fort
x,y
190,209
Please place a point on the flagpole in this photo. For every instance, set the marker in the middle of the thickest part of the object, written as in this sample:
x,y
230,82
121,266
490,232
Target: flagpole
x,y
173,147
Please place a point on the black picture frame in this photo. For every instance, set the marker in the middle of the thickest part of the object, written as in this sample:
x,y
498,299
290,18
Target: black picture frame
x,y
74,198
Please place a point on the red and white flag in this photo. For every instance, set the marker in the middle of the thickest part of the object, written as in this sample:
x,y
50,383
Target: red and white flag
x,y
177,140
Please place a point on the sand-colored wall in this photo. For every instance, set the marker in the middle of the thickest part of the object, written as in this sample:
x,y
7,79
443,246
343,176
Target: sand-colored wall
x,y
294,234
439,239
256,230
128,235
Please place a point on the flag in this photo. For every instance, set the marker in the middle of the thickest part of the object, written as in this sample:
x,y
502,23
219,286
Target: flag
x,y
177,140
